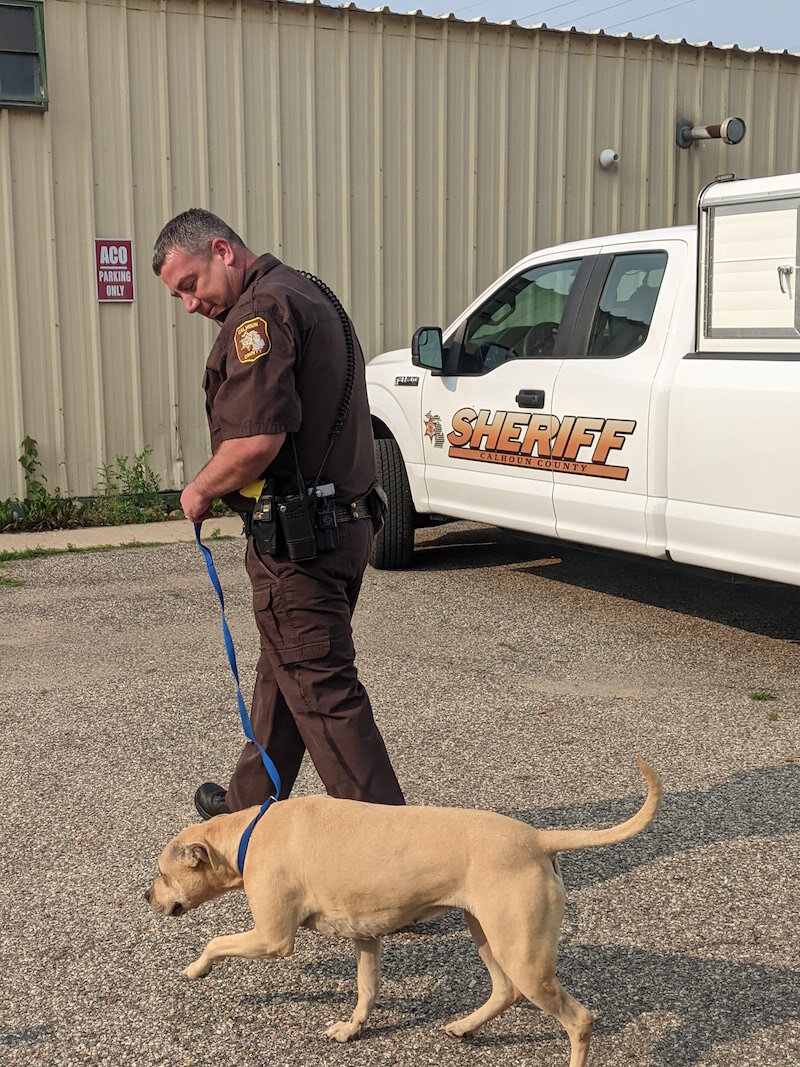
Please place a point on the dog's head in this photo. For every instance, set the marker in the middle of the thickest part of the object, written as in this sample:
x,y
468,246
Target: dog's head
x,y
190,873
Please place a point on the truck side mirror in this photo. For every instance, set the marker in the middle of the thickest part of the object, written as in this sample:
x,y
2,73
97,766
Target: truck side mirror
x,y
426,348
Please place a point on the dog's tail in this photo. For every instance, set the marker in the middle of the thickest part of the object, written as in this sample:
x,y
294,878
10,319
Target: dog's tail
x,y
553,841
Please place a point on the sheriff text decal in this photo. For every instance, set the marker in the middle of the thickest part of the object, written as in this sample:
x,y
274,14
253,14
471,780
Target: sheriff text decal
x,y
522,439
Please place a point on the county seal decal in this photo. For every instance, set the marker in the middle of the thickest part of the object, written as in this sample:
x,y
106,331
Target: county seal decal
x,y
252,340
433,429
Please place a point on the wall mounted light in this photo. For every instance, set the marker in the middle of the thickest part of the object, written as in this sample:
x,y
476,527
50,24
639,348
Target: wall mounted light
x,y
608,158
731,131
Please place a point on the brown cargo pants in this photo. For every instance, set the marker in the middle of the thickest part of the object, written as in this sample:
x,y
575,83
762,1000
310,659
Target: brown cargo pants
x,y
307,693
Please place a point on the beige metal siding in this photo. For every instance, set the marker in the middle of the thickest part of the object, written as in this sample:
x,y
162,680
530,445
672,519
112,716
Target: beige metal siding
x,y
407,160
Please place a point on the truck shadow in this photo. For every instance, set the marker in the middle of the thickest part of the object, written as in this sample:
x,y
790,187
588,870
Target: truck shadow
x,y
766,609
761,802
763,608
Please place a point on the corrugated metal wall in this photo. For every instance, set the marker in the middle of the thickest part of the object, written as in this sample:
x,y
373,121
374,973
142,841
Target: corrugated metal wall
x,y
407,160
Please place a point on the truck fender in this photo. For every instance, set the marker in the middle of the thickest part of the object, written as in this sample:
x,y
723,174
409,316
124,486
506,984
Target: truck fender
x,y
389,419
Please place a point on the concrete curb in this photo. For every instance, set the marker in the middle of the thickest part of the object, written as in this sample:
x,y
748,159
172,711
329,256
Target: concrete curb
x,y
162,533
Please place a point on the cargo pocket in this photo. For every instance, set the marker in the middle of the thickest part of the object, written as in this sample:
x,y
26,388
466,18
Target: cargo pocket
x,y
307,651
274,623
308,672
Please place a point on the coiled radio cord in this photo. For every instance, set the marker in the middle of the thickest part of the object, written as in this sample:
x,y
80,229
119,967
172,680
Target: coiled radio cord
x,y
350,371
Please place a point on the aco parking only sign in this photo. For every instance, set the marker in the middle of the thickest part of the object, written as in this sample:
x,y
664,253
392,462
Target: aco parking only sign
x,y
114,263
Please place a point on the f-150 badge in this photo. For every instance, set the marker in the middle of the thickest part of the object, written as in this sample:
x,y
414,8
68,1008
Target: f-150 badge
x,y
544,442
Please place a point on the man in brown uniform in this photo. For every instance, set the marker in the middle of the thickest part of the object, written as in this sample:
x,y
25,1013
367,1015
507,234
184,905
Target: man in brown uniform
x,y
274,383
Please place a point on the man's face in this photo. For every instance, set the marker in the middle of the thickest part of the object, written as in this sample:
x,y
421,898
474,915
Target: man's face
x,y
207,284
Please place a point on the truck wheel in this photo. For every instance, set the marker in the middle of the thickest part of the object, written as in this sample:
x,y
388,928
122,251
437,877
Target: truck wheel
x,y
394,545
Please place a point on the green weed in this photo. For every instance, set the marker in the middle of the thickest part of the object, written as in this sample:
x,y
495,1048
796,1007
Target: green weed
x,y
128,491
762,694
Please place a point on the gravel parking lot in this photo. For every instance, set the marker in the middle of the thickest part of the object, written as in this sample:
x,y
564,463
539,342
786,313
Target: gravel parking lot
x,y
505,674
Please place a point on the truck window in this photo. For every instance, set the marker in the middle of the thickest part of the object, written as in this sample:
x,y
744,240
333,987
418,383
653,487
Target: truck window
x,y
627,302
520,320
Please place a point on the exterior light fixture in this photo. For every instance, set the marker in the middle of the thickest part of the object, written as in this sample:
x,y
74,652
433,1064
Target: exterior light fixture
x,y
731,131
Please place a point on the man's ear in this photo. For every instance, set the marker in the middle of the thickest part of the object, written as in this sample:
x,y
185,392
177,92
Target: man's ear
x,y
221,246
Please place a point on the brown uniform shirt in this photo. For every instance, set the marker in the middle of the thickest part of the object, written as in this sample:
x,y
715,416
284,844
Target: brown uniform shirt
x,y
279,365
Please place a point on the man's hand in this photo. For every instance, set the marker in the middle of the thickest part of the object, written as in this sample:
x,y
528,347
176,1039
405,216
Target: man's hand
x,y
195,505
237,462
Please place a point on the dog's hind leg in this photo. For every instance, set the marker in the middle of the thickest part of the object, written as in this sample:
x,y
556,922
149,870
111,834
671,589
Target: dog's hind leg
x,y
536,979
250,944
503,995
523,934
545,991
368,955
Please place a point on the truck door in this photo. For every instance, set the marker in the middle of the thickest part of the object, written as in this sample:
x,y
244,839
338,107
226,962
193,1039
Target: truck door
x,y
603,395
486,418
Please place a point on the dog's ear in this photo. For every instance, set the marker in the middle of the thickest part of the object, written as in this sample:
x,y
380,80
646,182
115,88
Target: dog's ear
x,y
198,853
195,854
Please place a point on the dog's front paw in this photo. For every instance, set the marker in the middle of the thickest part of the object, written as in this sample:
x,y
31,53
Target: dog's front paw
x,y
457,1029
343,1031
196,970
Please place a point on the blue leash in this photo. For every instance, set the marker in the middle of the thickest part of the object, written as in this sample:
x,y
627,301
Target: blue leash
x,y
269,766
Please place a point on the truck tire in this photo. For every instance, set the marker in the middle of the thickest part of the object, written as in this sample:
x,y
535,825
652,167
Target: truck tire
x,y
394,545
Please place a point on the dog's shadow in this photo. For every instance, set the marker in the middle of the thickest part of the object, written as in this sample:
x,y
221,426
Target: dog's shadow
x,y
707,1003
761,802
710,1002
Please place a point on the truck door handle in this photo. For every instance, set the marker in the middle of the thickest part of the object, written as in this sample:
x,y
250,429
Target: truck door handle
x,y
785,275
530,398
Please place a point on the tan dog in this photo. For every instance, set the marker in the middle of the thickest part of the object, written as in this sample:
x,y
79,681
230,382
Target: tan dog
x,y
357,870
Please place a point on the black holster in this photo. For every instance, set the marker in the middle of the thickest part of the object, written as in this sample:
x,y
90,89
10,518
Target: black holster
x,y
262,525
378,506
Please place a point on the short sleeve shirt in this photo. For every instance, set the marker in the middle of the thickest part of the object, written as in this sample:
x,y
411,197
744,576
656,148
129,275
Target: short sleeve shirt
x,y
279,365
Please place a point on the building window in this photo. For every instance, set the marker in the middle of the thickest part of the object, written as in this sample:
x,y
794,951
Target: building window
x,y
23,75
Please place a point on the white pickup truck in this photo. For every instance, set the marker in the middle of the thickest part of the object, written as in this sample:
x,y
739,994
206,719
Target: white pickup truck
x,y
639,392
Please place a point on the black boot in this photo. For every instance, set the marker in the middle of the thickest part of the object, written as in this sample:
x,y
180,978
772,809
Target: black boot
x,y
210,800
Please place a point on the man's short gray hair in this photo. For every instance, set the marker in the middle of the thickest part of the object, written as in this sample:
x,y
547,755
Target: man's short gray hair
x,y
193,231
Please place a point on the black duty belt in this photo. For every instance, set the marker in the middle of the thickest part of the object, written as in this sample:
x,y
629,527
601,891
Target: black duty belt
x,y
349,512
353,509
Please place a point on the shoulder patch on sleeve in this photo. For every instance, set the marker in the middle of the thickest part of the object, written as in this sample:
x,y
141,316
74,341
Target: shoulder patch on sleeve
x,y
252,340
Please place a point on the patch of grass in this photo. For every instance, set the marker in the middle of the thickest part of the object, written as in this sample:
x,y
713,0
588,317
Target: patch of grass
x,y
36,553
11,583
762,694
11,555
508,645
772,716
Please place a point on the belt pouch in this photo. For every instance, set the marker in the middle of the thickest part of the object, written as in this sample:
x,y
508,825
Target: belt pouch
x,y
264,523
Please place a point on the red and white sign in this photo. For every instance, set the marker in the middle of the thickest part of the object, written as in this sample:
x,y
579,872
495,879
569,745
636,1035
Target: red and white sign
x,y
114,262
